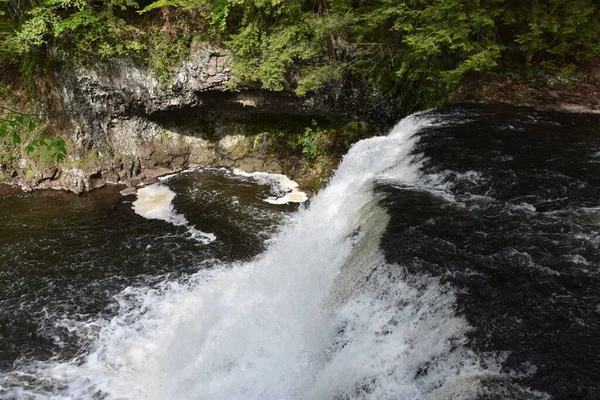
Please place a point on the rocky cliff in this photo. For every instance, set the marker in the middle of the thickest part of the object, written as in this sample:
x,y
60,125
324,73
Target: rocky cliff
x,y
127,127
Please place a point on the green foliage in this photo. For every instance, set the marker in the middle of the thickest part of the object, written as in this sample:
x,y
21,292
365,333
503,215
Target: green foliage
x,y
315,140
160,4
557,29
424,45
47,151
76,30
13,124
315,77
16,127
415,51
164,4
32,33
167,49
309,140
419,48
219,11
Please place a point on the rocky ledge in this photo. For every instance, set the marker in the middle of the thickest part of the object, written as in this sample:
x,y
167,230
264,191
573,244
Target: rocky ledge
x,y
163,156
124,126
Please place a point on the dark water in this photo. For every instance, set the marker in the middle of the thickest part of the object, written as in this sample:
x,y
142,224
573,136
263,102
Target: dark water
x,y
520,238
64,257
504,218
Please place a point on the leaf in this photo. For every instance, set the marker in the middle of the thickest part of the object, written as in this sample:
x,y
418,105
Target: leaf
x,y
58,143
34,144
15,137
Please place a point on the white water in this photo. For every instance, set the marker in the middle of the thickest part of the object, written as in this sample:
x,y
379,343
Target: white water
x,y
286,188
156,202
298,322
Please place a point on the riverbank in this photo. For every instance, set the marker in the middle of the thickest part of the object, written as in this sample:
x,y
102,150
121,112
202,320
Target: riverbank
x,y
247,139
575,97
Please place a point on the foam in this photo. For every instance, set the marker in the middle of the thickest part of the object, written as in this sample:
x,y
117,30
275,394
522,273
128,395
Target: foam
x,y
285,188
156,202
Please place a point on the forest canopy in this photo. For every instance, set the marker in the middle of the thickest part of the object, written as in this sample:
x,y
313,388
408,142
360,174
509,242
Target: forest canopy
x,y
424,47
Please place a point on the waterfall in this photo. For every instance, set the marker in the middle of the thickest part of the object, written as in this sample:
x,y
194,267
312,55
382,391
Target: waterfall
x,y
319,315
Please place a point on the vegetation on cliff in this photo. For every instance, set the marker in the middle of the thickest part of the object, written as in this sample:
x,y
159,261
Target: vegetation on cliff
x,y
412,53
18,128
415,50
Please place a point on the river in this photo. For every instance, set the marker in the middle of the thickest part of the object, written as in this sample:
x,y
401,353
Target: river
x,y
455,258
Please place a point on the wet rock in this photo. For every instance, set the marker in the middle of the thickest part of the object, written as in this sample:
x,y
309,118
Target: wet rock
x,y
116,106
134,181
272,167
593,69
236,152
131,124
250,164
151,175
77,185
112,177
307,192
203,156
225,162
128,191
151,180
96,180
25,184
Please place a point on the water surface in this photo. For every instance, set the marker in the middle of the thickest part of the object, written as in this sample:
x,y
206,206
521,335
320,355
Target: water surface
x,y
455,258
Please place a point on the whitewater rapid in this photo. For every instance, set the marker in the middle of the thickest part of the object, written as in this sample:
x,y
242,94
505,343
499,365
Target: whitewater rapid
x,y
319,315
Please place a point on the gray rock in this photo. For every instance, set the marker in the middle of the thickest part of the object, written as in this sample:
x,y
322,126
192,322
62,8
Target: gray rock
x,y
45,174
250,164
272,167
128,191
135,181
133,124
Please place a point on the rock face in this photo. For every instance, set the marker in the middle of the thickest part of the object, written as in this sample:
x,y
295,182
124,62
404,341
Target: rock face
x,y
118,108
110,105
138,128
135,128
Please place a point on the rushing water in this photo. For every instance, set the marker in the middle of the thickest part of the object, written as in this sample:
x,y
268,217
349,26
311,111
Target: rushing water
x,y
455,258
